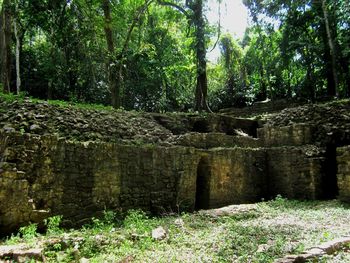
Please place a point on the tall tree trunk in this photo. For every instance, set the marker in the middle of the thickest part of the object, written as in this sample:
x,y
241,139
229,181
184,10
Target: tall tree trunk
x,y
1,41
201,94
111,63
327,65
18,75
50,87
6,46
331,45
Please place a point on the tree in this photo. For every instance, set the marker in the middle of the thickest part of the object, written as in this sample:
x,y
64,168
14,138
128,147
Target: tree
x,y
115,64
18,47
311,41
158,68
342,11
111,64
201,100
331,47
232,60
195,15
6,35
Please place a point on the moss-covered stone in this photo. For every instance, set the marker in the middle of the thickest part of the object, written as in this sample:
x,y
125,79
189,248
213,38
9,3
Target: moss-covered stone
x,y
343,175
83,162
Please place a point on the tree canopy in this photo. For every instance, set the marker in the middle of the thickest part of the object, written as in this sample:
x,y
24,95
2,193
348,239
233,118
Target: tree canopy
x,y
151,54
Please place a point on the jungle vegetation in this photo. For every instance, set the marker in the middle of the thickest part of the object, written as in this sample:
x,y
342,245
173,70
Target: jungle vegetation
x,y
151,54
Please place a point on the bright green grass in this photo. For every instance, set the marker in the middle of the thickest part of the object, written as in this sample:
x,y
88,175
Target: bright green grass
x,y
20,98
271,230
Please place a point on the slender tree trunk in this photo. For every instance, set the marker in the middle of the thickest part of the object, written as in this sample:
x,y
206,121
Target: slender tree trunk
x,y
111,63
50,87
332,49
115,69
6,46
1,41
311,80
18,75
201,94
263,85
289,87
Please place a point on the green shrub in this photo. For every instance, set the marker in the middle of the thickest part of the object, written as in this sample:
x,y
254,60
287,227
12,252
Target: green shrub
x,y
29,232
53,225
137,221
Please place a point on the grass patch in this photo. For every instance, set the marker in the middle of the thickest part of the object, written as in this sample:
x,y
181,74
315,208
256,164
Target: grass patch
x,y
9,98
272,230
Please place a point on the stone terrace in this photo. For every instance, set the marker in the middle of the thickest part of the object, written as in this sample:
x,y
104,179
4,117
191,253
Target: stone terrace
x,y
51,164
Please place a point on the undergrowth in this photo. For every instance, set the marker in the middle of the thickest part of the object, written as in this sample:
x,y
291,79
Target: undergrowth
x,y
269,231
9,98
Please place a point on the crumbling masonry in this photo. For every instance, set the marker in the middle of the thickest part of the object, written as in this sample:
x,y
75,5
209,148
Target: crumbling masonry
x,y
41,176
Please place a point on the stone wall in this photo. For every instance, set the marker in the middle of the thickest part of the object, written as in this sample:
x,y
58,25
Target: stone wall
x,y
326,166
200,161
216,140
43,176
296,172
261,107
238,176
293,135
343,160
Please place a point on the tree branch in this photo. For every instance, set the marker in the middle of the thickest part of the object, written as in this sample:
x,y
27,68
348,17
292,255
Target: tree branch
x,y
136,19
219,29
179,8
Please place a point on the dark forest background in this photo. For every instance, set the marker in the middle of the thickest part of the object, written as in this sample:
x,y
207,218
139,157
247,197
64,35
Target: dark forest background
x,y
151,54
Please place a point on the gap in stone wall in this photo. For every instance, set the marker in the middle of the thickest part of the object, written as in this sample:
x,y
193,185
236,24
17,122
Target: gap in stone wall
x,y
203,184
201,126
330,186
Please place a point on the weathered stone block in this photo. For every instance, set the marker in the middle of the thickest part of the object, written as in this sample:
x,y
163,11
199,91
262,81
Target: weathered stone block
x,y
81,179
215,140
236,176
295,172
343,175
294,135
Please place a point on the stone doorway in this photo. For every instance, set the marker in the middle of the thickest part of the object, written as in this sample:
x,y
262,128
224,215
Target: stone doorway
x,y
203,184
330,186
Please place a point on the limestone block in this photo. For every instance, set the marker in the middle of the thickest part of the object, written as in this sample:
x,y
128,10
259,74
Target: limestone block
x,y
293,135
236,176
214,140
343,175
296,172
80,180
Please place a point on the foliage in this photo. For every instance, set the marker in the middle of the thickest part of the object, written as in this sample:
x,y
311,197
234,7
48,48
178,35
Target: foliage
x,y
109,220
137,221
28,232
53,225
286,53
63,54
267,231
307,65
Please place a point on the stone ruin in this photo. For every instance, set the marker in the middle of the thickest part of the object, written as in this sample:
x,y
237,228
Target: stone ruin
x,y
216,160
